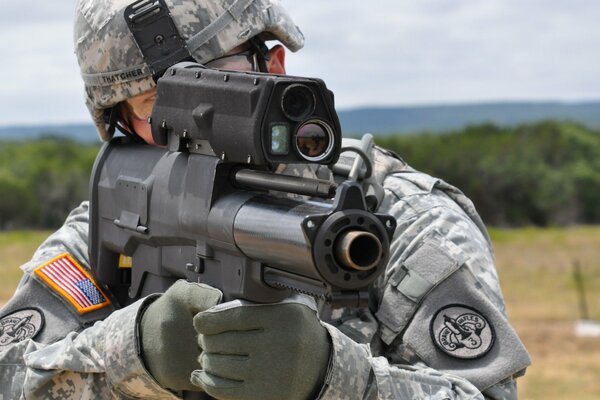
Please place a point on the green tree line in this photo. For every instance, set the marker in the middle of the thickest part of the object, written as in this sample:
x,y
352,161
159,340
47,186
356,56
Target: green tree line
x,y
42,180
547,173
541,174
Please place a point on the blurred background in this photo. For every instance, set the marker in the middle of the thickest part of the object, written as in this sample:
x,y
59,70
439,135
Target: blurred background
x,y
498,97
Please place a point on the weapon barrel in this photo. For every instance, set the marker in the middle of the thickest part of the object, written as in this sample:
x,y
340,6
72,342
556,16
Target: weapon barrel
x,y
359,250
345,251
271,231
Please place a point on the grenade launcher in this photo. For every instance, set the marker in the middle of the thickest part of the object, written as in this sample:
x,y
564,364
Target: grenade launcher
x,y
207,205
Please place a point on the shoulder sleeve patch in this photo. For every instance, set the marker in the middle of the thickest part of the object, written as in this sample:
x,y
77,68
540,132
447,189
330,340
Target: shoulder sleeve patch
x,y
69,279
20,325
462,332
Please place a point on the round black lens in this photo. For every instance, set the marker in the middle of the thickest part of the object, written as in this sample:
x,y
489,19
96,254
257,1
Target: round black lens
x,y
314,141
298,102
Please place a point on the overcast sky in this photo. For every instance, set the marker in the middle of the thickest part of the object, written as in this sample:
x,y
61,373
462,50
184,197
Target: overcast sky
x,y
381,52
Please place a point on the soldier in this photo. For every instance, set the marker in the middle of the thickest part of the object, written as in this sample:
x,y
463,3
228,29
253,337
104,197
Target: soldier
x,y
435,326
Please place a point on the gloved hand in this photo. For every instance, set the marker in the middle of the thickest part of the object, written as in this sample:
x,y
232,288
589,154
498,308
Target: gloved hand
x,y
261,351
169,341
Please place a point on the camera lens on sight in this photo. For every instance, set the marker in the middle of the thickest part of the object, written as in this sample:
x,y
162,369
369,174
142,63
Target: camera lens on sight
x,y
298,102
314,140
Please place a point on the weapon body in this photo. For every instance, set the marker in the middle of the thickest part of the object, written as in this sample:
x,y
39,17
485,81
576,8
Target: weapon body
x,y
207,207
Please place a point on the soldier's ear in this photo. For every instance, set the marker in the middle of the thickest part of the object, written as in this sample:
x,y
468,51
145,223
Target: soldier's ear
x,y
276,62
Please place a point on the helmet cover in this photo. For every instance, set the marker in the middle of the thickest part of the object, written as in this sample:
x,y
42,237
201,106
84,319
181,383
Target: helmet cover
x,y
113,68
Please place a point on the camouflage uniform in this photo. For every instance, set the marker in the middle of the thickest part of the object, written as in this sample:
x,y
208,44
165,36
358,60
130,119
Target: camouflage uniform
x,y
441,257
435,326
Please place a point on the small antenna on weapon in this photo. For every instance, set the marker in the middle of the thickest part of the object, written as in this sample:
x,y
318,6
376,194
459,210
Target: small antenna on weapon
x,y
366,143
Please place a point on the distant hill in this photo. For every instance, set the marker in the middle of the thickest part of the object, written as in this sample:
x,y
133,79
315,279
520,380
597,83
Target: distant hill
x,y
79,132
442,118
389,120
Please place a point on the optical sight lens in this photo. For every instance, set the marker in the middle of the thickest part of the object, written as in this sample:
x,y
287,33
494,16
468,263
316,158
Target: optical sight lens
x,y
279,139
298,102
314,140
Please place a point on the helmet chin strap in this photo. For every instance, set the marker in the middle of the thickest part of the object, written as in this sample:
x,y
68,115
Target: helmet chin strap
x,y
111,117
111,120
262,53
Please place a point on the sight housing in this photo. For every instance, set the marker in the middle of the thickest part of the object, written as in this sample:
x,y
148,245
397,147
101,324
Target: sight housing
x,y
246,117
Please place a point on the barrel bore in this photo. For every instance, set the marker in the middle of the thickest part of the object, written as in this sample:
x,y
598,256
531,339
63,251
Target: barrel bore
x,y
359,250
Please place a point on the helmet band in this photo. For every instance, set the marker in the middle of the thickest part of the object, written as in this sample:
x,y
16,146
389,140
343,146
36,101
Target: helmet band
x,y
116,77
235,11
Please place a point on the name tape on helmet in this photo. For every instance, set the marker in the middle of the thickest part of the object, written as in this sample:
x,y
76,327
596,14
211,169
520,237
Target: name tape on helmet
x,y
121,76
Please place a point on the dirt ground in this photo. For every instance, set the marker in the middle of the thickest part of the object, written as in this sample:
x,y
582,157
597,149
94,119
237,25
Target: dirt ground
x,y
536,269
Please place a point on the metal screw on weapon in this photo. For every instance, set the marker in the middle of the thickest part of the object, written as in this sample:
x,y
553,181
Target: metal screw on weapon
x,y
222,156
159,39
249,159
185,134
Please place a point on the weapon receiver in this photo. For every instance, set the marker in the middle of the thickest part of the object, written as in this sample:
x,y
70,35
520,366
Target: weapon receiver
x,y
207,207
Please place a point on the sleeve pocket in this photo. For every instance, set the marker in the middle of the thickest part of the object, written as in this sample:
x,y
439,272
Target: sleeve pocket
x,y
411,280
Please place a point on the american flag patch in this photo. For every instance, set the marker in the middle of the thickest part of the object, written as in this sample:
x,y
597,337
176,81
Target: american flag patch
x,y
71,281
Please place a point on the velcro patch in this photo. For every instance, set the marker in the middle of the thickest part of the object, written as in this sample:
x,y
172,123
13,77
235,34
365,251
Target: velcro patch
x,y
462,332
20,325
66,277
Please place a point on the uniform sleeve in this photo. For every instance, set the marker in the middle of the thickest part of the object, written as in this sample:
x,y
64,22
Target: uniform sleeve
x,y
436,326
102,361
49,350
355,373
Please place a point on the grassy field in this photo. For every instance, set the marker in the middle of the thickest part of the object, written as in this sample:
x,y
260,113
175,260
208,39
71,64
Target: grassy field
x,y
536,271
16,248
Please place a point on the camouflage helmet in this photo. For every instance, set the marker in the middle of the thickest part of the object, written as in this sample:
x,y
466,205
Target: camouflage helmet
x,y
113,68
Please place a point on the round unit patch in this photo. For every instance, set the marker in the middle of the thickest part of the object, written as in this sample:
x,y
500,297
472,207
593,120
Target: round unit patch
x,y
462,332
20,325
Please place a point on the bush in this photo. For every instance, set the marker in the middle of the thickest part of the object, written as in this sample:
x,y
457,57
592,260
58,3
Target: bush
x,y
41,181
542,174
